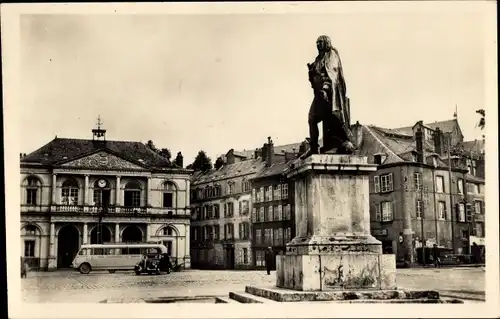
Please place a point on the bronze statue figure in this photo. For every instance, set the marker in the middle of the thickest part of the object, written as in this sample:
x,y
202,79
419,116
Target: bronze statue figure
x,y
330,104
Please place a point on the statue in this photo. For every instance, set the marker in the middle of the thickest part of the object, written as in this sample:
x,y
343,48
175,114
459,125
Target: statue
x,y
330,104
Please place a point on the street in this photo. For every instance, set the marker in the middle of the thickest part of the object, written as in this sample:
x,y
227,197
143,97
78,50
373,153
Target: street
x,y
71,286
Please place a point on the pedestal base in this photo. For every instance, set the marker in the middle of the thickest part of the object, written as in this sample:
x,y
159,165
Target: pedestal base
x,y
336,271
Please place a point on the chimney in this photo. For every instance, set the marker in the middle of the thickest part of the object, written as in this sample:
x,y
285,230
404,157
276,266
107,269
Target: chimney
x,y
420,145
304,147
270,152
357,132
230,157
257,153
264,152
438,141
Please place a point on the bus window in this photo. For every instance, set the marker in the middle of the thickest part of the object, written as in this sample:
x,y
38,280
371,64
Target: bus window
x,y
83,252
134,251
97,251
124,251
109,251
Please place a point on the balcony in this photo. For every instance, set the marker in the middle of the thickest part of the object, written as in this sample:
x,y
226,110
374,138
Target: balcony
x,y
97,209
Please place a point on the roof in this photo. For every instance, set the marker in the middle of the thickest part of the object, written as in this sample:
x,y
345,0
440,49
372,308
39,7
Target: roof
x,y
66,149
476,146
229,171
445,126
276,168
398,147
278,149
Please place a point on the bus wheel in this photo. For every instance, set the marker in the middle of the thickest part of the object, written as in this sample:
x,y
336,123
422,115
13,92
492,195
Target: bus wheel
x,y
111,271
84,268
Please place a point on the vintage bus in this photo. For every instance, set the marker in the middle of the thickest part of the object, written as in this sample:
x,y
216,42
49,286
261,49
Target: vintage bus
x,y
113,257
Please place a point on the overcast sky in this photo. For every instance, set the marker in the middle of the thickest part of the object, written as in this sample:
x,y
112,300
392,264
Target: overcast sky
x,y
216,82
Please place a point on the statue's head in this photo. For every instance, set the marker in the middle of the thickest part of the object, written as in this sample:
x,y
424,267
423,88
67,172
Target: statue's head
x,y
323,43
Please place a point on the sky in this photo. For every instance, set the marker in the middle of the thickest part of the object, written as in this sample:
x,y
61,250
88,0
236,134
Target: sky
x,y
216,82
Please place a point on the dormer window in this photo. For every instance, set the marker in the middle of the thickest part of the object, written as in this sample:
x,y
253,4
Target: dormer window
x,y
379,158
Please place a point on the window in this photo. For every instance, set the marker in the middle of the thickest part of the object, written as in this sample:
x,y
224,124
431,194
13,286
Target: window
x,y
244,230
258,236
276,213
376,184
284,189
288,214
471,166
288,235
418,181
280,236
460,186
244,207
277,192
472,188
230,188
245,255
216,232
217,190
477,207
216,211
461,212
31,191
261,214
442,210
276,237
439,184
245,186
254,215
419,209
269,215
31,196
260,258
30,230
268,193
228,231
268,236
261,194
196,233
229,209
132,194
386,183
253,195
29,248
387,211
378,213
209,231
210,211
69,192
168,200
167,231
280,212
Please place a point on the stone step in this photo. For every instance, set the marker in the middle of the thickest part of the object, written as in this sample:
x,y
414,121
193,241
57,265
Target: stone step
x,y
225,300
244,297
405,301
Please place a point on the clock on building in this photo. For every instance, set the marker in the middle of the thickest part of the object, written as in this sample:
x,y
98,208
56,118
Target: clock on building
x,y
101,183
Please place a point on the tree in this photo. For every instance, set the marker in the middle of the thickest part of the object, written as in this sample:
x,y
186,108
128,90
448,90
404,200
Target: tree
x,y
151,145
201,162
219,163
165,152
482,121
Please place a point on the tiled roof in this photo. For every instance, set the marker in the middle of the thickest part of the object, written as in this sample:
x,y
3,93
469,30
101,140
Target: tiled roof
x,y
65,149
444,126
276,168
230,171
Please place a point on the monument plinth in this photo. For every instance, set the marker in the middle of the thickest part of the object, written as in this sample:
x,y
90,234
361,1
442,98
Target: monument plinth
x,y
333,248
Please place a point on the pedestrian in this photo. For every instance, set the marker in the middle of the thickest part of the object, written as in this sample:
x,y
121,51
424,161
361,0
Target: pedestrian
x,y
269,259
476,253
435,256
24,268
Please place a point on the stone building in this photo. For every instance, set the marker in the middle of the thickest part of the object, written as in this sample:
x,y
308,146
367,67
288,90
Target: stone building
x,y
76,191
418,193
272,197
221,205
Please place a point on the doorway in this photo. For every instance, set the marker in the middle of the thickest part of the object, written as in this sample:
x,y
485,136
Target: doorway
x,y
229,257
100,234
132,234
68,242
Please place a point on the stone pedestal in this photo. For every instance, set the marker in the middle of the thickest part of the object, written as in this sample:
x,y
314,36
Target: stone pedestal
x,y
333,249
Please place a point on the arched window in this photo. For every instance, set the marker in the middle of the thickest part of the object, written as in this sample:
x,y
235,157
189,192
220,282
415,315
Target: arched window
x,y
33,186
217,190
245,186
132,194
69,192
31,236
169,195
102,191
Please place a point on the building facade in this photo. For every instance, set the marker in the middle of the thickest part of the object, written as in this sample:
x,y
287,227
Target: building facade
x,y
221,206
76,191
419,194
273,222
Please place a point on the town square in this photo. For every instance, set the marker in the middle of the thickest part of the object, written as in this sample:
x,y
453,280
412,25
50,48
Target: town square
x,y
245,159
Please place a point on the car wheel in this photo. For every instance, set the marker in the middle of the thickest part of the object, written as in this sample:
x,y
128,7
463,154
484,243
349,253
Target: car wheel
x,y
84,268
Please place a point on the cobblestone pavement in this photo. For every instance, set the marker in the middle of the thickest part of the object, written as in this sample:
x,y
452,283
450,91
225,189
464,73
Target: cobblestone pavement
x,y
71,286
